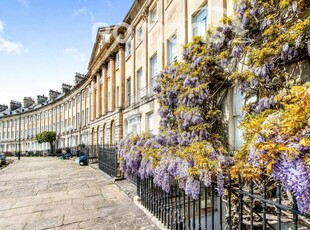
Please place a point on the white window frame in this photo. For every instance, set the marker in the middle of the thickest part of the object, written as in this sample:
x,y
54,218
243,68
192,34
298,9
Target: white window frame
x,y
128,48
153,15
139,82
139,35
133,125
200,22
150,122
117,61
172,49
154,71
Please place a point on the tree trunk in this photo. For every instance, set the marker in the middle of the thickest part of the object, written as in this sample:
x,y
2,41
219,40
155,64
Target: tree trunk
x,y
52,149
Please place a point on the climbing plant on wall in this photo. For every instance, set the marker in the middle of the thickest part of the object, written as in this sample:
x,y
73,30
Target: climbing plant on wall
x,y
249,51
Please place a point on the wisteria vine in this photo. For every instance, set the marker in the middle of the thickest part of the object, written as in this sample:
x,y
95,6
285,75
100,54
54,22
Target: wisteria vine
x,y
250,52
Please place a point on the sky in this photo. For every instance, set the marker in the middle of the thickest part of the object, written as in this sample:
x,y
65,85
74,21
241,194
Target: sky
x,y
43,43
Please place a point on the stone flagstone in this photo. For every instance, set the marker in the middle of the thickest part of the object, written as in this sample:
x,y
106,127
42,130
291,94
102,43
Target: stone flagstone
x,y
47,193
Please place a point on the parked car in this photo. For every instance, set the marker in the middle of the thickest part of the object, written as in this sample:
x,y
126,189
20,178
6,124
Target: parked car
x,y
2,159
83,160
66,156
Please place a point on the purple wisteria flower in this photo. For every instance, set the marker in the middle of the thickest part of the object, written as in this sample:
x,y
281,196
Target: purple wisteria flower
x,y
254,157
241,7
192,188
295,177
294,6
220,184
197,62
206,178
236,51
266,22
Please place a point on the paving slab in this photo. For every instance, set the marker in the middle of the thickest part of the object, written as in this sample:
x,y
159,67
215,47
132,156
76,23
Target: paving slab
x,y
48,193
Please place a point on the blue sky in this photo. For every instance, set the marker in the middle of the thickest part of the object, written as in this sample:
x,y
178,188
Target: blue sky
x,y
43,43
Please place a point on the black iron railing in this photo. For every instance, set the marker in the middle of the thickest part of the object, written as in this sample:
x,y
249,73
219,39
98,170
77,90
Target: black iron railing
x,y
92,153
108,160
243,206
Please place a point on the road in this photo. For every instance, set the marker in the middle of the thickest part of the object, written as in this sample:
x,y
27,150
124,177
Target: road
x,y
49,193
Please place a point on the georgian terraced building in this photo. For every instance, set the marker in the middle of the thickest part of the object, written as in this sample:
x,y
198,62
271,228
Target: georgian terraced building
x,y
115,97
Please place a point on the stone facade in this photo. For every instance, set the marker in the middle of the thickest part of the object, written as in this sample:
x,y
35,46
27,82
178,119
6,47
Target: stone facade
x,y
115,97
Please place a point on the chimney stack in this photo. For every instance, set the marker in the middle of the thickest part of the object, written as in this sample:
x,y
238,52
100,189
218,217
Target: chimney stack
x,y
78,78
65,88
41,99
3,108
15,105
53,94
28,101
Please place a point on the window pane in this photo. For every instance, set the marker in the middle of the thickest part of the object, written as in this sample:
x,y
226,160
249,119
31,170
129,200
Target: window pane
x,y
154,15
172,50
151,122
238,102
153,72
139,83
201,22
128,87
238,133
128,48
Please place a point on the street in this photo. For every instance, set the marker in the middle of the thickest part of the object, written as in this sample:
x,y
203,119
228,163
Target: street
x,y
48,193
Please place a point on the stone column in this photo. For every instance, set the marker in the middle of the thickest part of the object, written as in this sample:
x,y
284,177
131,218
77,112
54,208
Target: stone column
x,y
123,77
134,73
71,126
113,83
76,111
85,107
104,89
93,100
98,96
146,48
89,103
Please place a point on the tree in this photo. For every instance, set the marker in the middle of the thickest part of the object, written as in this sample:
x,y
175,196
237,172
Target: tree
x,y
47,136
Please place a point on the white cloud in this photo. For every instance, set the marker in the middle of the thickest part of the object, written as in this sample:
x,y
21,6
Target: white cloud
x,y
2,26
10,47
81,11
84,12
7,46
75,54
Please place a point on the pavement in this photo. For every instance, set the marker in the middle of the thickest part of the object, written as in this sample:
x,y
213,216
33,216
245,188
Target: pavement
x,y
49,193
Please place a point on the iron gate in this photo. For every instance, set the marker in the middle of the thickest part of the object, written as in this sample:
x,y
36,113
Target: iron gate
x,y
108,160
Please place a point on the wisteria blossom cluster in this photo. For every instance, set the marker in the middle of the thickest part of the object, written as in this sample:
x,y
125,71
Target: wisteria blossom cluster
x,y
189,147
281,144
276,125
249,51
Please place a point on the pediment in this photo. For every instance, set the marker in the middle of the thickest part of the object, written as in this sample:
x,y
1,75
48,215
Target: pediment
x,y
102,37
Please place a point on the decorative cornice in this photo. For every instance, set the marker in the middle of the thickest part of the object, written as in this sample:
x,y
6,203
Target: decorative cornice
x,y
112,57
133,32
121,46
145,14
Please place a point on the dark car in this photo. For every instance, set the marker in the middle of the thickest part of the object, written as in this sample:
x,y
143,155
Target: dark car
x,y
66,156
83,160
2,159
